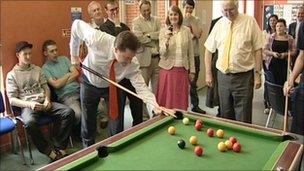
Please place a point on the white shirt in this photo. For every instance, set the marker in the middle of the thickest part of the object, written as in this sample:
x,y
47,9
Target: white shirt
x,y
246,38
94,25
100,54
178,61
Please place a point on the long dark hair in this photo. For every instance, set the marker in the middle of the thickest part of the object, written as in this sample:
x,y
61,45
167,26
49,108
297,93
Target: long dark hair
x,y
268,29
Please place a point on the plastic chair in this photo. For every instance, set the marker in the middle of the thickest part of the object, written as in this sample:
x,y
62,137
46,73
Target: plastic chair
x,y
276,101
9,125
44,120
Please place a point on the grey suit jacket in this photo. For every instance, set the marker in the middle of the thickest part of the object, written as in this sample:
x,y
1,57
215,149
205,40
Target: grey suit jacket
x,y
147,33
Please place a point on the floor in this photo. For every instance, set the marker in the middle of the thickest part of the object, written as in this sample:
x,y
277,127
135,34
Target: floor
x,y
9,161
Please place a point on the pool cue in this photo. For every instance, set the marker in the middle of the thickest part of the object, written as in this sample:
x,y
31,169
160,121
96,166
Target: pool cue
x,y
286,97
166,112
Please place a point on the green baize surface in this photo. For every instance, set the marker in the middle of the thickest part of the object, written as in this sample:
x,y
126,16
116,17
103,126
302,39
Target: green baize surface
x,y
154,149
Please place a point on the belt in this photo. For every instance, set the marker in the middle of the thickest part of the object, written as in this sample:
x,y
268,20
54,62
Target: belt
x,y
239,73
155,56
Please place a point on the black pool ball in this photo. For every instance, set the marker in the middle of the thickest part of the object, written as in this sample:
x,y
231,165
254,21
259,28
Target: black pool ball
x,y
181,144
179,115
102,151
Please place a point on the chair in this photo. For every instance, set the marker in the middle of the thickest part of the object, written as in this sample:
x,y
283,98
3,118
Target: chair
x,y
276,101
9,125
42,121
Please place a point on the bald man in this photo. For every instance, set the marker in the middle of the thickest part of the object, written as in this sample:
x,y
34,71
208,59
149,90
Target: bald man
x,y
238,39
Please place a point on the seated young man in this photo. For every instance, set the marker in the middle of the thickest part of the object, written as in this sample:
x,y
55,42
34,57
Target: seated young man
x,y
62,76
27,88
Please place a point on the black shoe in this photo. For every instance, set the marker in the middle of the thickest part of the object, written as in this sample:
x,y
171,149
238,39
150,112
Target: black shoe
x,y
198,110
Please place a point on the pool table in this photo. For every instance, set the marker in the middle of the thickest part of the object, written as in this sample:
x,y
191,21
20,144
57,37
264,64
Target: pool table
x,y
148,146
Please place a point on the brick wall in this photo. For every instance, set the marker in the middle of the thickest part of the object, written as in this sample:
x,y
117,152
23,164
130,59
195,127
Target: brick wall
x,y
161,8
132,12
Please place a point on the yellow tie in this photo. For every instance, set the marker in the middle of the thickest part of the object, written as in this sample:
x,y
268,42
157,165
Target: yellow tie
x,y
226,53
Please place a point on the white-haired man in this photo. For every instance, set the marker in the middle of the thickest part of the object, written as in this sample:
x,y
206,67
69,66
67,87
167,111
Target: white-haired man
x,y
94,10
238,39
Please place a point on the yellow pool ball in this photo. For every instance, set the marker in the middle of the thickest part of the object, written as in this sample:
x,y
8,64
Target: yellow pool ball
x,y
186,121
171,130
193,140
222,147
228,144
220,133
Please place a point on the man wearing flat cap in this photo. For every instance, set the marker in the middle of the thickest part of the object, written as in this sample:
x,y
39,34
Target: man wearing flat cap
x,y
27,88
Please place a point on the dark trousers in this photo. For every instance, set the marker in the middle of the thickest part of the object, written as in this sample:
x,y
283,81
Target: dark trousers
x,y
59,112
136,104
212,98
193,86
269,78
235,94
297,110
90,98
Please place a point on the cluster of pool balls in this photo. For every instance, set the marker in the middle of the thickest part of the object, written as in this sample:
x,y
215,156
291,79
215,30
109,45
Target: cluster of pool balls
x,y
229,144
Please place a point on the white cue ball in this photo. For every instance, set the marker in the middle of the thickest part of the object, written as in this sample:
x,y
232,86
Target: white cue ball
x,y
186,121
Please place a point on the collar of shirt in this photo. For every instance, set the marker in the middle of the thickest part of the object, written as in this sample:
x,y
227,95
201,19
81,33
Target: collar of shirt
x,y
94,25
237,19
145,18
110,20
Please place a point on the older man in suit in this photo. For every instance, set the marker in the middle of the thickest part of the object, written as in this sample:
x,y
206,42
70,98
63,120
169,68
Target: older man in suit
x,y
146,28
293,30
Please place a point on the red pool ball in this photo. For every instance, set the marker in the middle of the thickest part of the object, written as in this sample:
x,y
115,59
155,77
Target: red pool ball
x,y
237,147
210,132
233,140
198,126
198,150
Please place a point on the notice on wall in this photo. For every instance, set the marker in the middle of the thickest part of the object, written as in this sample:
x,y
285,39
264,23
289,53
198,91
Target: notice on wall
x,y
268,11
76,13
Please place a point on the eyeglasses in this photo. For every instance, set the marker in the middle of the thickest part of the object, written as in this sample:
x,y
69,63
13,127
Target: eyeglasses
x,y
113,9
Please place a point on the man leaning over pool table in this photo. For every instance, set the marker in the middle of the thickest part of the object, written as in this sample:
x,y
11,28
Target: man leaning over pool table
x,y
103,49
